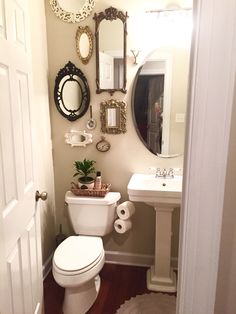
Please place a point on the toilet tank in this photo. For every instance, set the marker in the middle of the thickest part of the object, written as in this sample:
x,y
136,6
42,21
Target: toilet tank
x,y
92,215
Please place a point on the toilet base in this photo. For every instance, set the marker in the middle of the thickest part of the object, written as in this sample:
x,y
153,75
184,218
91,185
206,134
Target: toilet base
x,y
79,300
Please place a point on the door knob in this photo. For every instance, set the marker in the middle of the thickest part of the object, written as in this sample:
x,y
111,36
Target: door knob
x,y
43,196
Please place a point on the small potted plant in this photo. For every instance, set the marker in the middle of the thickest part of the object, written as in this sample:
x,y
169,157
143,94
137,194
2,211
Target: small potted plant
x,y
84,169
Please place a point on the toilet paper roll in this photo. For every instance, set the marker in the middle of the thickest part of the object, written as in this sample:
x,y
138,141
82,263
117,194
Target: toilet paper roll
x,y
125,210
122,226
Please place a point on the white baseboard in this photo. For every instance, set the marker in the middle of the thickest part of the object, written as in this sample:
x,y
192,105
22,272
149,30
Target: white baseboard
x,y
47,266
125,258
121,258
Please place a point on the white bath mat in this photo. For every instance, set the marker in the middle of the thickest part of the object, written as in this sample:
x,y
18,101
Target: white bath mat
x,y
151,303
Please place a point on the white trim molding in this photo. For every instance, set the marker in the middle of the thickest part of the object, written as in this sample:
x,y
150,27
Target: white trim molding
x,y
132,259
209,114
47,266
120,258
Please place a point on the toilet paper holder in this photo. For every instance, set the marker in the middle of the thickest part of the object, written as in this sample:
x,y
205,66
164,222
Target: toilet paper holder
x,y
124,212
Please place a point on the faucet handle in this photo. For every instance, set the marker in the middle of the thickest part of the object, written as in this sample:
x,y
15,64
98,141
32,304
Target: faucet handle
x,y
171,172
158,172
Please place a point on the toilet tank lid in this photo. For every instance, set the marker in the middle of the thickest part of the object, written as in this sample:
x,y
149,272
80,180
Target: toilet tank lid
x,y
109,198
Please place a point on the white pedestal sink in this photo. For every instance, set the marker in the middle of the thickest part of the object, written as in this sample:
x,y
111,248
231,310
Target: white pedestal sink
x,y
164,194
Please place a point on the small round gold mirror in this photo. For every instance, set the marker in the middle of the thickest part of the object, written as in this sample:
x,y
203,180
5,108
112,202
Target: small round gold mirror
x,y
84,43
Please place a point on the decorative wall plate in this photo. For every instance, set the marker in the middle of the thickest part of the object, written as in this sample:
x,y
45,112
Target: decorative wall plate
x,y
64,11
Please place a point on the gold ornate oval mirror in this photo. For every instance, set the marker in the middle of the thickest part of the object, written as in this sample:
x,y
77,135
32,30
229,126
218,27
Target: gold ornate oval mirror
x,y
113,116
84,43
110,34
72,11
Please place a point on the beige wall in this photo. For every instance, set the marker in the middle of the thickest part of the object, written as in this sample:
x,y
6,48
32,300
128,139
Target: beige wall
x,y
45,175
127,153
179,97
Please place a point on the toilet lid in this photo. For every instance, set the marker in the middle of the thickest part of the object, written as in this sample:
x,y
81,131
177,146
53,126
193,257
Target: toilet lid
x,y
78,252
108,199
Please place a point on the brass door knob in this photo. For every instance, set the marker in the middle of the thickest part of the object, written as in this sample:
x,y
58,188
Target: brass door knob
x,y
43,196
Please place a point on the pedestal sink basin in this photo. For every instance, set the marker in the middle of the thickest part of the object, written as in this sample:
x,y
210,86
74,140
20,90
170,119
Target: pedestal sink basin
x,y
148,188
164,194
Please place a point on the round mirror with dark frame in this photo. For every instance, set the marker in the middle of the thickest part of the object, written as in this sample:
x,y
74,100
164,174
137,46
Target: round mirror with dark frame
x,y
111,36
71,92
160,89
159,101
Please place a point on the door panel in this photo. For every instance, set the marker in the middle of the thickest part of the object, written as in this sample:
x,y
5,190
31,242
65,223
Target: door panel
x,y
2,21
14,275
7,147
24,113
20,243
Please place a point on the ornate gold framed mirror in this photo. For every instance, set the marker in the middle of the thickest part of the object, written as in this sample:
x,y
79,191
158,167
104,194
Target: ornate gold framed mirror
x,y
72,11
84,43
111,36
113,116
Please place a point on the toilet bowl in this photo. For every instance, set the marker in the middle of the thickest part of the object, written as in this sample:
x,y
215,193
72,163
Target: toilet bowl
x,y
78,260
76,269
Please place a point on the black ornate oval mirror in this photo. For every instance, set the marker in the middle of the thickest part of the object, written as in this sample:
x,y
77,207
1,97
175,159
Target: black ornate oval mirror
x,y
111,33
71,92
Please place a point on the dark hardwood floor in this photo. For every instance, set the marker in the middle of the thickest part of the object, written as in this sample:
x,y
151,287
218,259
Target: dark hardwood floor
x,y
118,283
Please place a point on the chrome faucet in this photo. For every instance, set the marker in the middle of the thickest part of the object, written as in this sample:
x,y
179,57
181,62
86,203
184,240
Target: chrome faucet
x,y
164,173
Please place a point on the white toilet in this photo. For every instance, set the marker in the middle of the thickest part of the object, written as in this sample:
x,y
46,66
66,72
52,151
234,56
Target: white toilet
x,y
78,260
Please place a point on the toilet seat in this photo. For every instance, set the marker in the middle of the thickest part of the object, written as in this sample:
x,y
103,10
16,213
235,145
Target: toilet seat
x,y
78,254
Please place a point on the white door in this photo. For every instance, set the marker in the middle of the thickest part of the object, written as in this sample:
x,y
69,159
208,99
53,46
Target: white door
x,y
20,243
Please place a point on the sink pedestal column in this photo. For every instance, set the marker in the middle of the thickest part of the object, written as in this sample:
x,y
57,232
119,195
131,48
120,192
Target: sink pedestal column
x,y
160,277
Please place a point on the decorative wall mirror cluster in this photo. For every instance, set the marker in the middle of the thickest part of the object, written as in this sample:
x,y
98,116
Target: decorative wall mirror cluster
x,y
71,92
113,116
84,43
72,11
111,36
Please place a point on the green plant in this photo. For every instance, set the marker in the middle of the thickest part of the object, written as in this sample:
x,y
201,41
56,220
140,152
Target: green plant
x,y
84,168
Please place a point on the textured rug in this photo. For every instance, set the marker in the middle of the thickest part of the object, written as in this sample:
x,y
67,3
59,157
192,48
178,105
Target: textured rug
x,y
152,303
